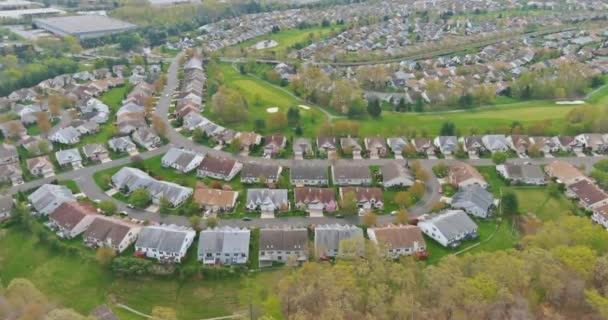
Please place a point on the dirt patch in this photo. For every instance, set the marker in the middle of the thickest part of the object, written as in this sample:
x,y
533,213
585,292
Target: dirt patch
x,y
528,224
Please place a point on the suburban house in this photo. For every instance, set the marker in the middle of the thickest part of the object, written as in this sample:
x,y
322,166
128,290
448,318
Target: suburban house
x,y
522,173
592,141
248,140
473,145
111,233
394,174
327,145
48,197
127,180
167,244
590,196
564,172
599,216
463,174
146,137
72,218
424,146
40,166
218,168
278,244
398,240
474,200
315,199
215,200
303,174
376,146
69,157
267,200
351,175
181,160
95,152
11,173
253,171
329,236
67,135
519,143
546,145
122,145
302,147
6,207
568,144
446,144
8,153
397,144
367,198
495,143
273,144
224,246
351,144
449,227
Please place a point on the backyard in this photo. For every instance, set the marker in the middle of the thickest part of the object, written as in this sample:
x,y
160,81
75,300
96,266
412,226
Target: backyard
x,y
63,278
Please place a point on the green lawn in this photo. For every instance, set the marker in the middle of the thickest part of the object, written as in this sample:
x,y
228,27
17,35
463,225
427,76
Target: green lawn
x,y
261,95
537,200
113,97
63,278
505,238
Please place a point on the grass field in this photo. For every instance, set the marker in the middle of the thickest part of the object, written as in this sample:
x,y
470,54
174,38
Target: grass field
x,y
261,95
285,39
83,286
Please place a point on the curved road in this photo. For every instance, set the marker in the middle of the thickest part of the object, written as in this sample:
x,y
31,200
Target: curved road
x,y
84,176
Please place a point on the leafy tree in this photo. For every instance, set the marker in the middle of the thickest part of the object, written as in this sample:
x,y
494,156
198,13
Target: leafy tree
x,y
131,266
447,129
510,204
370,219
129,41
105,255
293,116
108,207
164,205
235,146
211,222
229,105
499,157
348,204
259,124
140,198
441,169
417,190
402,217
195,222
403,199
373,108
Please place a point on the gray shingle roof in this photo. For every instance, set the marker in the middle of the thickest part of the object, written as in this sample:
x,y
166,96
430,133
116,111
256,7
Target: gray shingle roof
x,y
474,196
302,171
452,223
329,236
162,239
223,240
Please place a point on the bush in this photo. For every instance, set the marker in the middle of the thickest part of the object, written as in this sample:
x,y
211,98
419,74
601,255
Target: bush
x,y
130,266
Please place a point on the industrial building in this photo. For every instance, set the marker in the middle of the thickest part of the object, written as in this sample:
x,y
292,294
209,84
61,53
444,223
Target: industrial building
x,y
84,27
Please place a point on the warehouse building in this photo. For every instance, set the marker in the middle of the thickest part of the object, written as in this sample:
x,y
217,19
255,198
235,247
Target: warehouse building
x,y
84,27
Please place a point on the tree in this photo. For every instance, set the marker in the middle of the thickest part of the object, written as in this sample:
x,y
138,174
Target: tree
x,y
417,190
159,125
402,217
129,41
277,121
195,222
259,124
131,266
509,203
140,198
164,205
43,121
108,207
105,255
235,146
499,157
441,169
198,135
403,199
447,129
229,105
348,204
211,222
370,219
373,108
293,116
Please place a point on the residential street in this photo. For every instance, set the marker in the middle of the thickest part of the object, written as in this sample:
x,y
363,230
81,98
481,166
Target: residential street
x,y
84,177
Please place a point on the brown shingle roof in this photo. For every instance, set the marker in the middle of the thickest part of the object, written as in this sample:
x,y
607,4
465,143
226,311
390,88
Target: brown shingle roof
x,y
307,195
283,239
221,166
363,194
215,197
103,229
69,214
399,236
588,192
